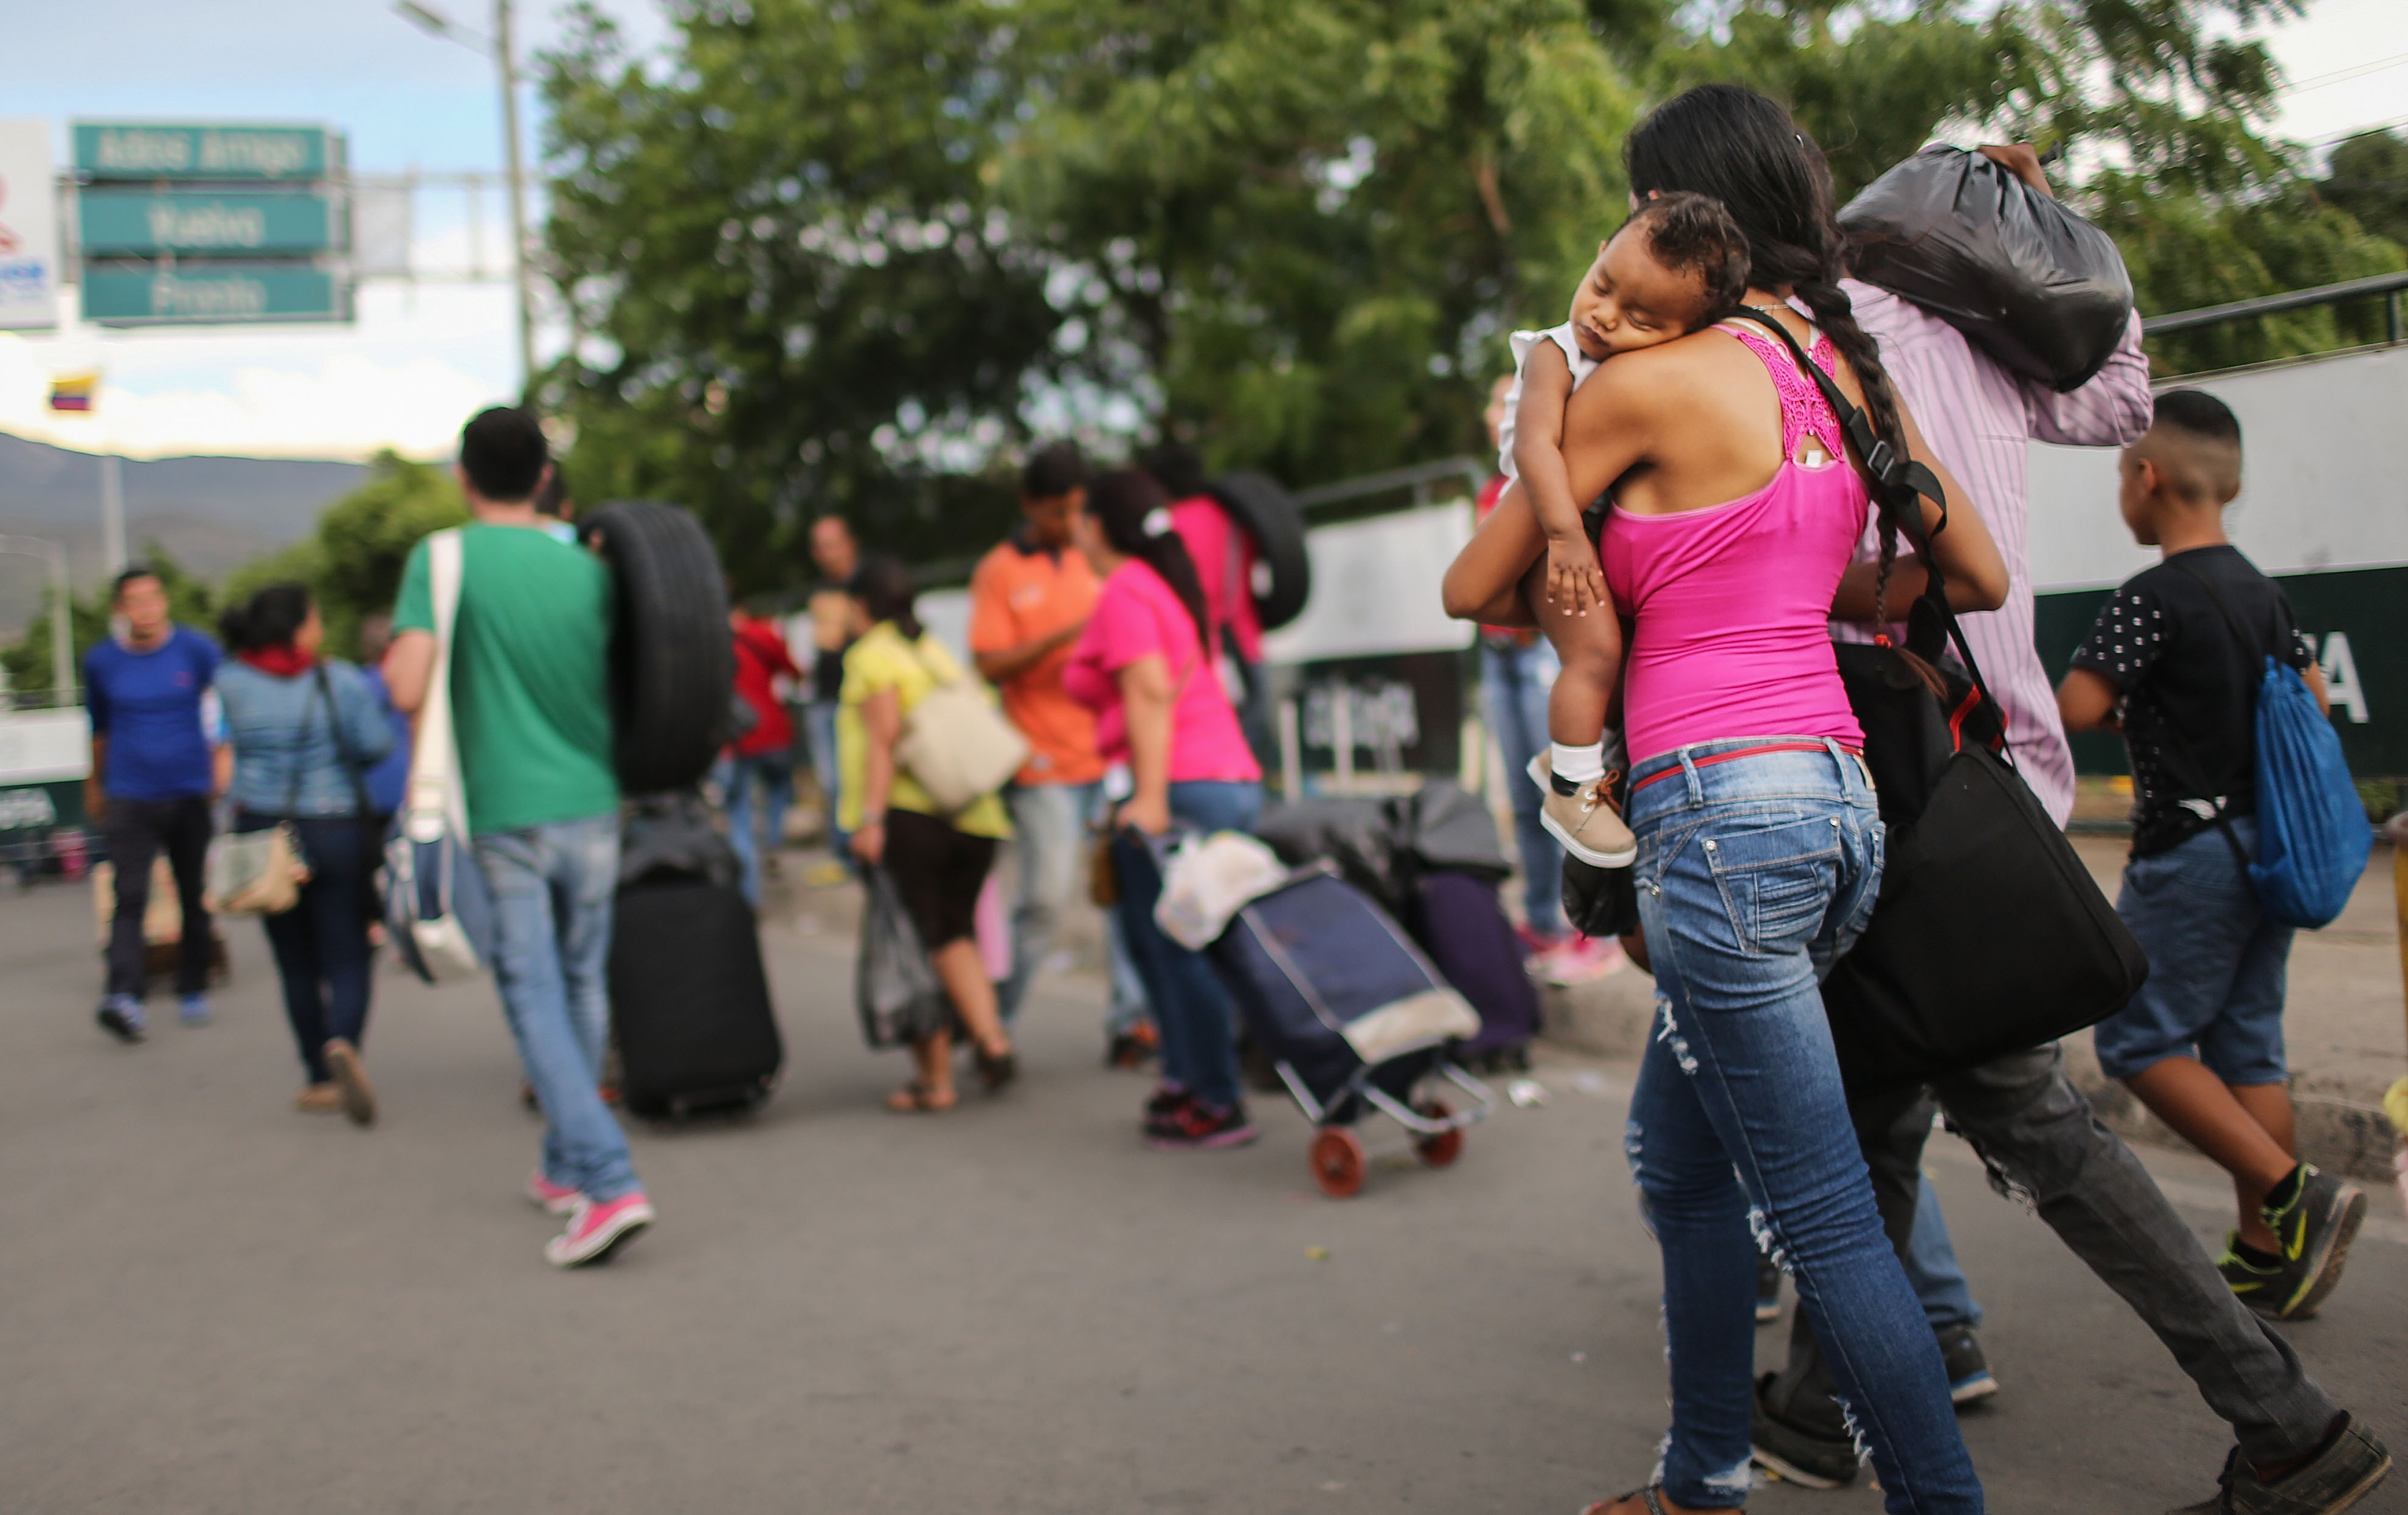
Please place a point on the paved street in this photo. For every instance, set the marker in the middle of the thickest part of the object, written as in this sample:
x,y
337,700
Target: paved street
x,y
212,1304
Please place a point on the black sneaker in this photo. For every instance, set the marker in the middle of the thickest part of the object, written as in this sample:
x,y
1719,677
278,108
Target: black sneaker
x,y
1786,1452
121,1016
1768,1289
2345,1471
1196,1126
2313,1232
1969,1369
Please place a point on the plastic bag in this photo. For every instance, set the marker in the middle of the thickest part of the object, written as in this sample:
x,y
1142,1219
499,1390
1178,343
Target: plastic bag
x,y
895,986
2026,279
1210,880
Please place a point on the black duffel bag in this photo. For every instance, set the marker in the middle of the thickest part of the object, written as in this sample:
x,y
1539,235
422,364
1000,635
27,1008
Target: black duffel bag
x,y
1989,936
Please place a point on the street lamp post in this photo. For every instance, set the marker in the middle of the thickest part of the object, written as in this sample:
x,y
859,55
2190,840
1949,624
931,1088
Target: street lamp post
x,y
61,623
505,55
503,49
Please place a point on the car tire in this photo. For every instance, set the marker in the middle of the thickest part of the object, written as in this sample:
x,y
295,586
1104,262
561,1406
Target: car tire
x,y
672,659
1262,507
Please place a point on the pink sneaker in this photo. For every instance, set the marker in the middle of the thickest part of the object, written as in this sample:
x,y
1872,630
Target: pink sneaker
x,y
1535,944
597,1231
549,1198
1581,959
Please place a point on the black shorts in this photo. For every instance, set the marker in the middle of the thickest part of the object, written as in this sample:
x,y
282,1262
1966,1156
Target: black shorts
x,y
939,871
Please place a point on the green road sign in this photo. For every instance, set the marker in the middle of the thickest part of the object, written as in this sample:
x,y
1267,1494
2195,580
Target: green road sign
x,y
138,149
211,294
120,221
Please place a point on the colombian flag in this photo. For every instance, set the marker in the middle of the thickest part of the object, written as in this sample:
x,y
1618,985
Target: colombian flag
x,y
73,391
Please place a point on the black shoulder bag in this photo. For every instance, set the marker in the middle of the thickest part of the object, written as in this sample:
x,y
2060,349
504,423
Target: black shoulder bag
x,y
1990,935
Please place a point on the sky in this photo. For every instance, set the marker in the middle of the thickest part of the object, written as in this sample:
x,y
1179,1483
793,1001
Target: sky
x,y
422,356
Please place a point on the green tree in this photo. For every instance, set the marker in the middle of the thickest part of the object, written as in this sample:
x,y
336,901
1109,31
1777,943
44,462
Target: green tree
x,y
353,563
829,254
1302,228
2368,177
795,288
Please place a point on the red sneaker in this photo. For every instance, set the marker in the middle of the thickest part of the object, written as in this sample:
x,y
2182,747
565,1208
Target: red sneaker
x,y
597,1231
549,1198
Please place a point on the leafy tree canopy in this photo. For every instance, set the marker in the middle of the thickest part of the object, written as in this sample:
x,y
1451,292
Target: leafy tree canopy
x,y
838,255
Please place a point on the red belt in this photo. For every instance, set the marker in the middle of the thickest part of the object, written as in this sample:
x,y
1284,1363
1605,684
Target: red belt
x,y
1713,758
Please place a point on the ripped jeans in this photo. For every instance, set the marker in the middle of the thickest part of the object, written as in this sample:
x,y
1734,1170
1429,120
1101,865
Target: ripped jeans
x,y
1755,873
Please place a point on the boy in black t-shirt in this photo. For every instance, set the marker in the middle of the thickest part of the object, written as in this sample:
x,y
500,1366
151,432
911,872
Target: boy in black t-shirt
x,y
2173,663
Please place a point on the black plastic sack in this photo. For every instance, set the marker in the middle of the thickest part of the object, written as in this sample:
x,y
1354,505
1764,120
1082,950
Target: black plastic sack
x,y
895,987
2026,279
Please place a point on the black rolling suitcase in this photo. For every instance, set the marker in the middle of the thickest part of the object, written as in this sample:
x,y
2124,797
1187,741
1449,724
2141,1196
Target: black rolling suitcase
x,y
689,1002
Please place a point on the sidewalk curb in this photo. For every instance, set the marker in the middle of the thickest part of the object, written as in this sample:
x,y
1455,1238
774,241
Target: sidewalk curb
x,y
2342,1128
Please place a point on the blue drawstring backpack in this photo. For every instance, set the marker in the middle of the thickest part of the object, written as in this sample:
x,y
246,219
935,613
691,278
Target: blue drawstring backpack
x,y
2313,836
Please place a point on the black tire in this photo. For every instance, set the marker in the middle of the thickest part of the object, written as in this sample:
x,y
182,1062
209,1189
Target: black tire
x,y
672,660
1262,506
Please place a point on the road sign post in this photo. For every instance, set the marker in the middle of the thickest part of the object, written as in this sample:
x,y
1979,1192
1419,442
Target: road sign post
x,y
212,224
130,223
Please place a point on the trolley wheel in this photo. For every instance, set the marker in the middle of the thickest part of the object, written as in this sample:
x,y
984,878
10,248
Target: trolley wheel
x,y
1444,1148
1338,1166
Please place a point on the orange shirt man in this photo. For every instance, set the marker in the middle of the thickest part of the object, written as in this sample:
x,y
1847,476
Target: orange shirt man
x,y
1029,600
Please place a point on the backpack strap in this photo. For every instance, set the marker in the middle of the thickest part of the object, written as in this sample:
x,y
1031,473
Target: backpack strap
x,y
1898,486
2243,641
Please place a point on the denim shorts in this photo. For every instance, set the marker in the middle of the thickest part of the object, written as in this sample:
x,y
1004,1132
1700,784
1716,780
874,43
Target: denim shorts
x,y
2218,966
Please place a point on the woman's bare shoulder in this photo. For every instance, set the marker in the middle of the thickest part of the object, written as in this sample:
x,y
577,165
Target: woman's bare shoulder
x,y
1660,379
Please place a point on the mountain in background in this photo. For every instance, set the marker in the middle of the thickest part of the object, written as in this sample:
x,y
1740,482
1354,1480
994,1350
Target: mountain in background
x,y
211,514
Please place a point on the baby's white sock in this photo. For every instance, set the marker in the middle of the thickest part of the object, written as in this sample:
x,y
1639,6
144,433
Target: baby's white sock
x,y
1577,765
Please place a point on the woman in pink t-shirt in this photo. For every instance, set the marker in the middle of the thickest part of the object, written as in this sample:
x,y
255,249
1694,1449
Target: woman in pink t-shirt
x,y
1143,665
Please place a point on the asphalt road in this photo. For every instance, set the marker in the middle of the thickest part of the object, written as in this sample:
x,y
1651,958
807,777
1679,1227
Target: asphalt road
x,y
209,1303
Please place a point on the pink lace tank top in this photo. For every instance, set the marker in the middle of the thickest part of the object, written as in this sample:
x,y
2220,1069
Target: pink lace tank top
x,y
1733,602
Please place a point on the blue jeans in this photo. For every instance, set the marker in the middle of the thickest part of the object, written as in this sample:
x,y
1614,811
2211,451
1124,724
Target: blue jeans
x,y
1514,685
1190,1007
1755,873
819,729
2218,966
552,888
1049,838
1932,1267
322,943
772,774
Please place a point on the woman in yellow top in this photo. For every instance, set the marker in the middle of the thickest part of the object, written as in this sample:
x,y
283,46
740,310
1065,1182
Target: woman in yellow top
x,y
937,863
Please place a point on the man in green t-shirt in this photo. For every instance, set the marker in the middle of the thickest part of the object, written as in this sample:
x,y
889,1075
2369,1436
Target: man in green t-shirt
x,y
531,709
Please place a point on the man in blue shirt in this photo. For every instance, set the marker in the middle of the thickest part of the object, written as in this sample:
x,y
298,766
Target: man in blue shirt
x,y
152,774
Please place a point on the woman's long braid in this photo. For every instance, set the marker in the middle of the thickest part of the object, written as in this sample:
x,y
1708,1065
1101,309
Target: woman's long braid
x,y
1736,146
1830,304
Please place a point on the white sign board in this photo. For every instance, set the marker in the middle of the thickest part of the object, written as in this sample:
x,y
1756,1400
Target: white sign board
x,y
43,747
1375,589
2321,482
29,228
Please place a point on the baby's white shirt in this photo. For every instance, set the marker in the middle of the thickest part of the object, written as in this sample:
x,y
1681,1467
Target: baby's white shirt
x,y
1522,342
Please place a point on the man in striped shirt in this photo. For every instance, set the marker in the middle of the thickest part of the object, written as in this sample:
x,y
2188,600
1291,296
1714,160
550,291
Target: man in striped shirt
x,y
2035,1130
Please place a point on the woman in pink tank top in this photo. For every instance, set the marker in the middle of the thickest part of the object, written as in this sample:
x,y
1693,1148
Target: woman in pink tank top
x,y
1736,512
